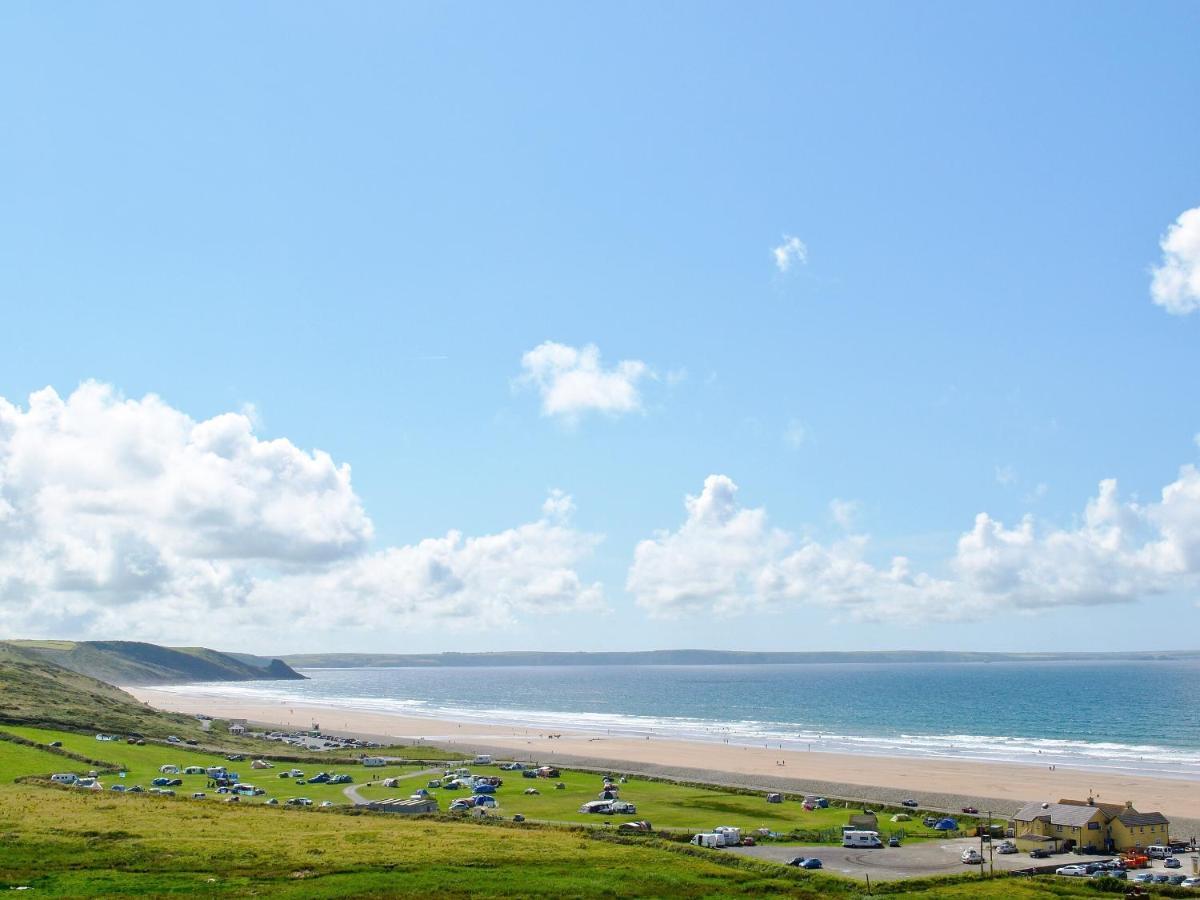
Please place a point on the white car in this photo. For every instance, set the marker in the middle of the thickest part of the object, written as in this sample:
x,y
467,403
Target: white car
x,y
1190,882
1071,870
971,857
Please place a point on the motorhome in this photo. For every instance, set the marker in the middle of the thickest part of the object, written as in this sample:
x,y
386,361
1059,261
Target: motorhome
x,y
852,838
731,835
483,759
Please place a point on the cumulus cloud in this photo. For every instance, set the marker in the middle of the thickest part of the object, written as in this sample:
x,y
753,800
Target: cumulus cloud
x,y
573,381
791,251
727,559
1176,280
123,517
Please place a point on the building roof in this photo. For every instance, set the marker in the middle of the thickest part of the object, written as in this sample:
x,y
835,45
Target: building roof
x,y
1110,809
1058,813
1132,818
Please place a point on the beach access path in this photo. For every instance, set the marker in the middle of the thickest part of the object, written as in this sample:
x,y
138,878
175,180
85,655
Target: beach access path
x,y
938,783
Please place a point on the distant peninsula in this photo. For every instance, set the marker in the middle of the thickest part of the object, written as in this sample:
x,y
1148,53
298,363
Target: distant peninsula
x,y
136,663
698,658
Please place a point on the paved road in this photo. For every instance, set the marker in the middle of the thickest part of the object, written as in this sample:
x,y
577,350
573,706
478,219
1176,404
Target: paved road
x,y
919,859
914,860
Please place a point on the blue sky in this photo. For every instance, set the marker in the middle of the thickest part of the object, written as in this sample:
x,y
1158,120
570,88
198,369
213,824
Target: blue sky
x,y
357,221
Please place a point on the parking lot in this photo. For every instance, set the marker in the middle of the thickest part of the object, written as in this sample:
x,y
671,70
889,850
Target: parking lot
x,y
919,859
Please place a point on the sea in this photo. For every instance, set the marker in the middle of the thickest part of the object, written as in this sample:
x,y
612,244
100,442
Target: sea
x,y
1136,717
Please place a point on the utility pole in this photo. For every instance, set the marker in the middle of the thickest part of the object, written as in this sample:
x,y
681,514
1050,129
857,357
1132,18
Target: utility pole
x,y
991,847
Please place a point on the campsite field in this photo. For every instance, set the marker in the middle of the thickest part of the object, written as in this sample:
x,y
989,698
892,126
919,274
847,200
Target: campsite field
x,y
141,764
665,805
64,842
61,842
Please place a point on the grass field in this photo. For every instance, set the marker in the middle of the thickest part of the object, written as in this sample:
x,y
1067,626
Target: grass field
x,y
64,842
141,765
666,805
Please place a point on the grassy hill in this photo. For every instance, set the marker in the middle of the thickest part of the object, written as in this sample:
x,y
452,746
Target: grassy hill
x,y
37,691
134,662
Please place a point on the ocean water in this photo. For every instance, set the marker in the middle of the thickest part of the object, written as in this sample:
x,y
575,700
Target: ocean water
x,y
1136,717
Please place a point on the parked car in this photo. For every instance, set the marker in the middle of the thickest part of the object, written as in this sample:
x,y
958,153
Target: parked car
x,y
518,818
970,810
1143,878
1039,853
1190,882
198,795
910,802
805,862
971,857
1172,862
929,821
1071,870
893,841
1176,879
1006,847
299,801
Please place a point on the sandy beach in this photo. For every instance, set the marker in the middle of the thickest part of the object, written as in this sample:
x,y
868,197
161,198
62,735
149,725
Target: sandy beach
x,y
936,782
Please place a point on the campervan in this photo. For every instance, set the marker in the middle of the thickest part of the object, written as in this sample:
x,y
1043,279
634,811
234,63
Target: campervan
x,y
374,761
483,759
732,836
853,838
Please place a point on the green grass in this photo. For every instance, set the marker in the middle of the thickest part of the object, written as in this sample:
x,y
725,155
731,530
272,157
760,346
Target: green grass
x,y
63,842
668,806
141,764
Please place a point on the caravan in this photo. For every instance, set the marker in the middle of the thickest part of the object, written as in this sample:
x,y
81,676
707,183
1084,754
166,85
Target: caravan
x,y
711,839
868,839
730,836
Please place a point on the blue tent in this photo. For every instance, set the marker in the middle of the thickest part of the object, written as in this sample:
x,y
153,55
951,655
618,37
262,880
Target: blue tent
x,y
485,789
946,825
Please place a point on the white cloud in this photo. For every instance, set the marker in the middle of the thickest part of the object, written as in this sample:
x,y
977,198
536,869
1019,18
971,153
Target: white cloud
x,y
1176,282
844,512
795,434
123,517
792,250
572,381
728,559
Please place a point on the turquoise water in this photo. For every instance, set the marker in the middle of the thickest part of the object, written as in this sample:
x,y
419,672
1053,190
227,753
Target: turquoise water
x,y
1117,716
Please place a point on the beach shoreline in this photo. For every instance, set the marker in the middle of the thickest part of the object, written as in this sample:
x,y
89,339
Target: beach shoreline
x,y
936,782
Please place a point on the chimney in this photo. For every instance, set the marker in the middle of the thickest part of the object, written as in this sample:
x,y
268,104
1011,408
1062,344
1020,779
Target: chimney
x,y
1129,804
1091,801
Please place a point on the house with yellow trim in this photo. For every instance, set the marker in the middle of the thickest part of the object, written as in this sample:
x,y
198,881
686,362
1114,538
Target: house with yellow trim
x,y
1107,827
